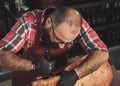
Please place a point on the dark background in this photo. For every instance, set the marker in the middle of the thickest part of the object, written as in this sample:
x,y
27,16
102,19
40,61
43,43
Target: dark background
x,y
102,15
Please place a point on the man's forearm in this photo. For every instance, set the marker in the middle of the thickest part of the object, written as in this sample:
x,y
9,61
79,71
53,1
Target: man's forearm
x,y
11,61
92,63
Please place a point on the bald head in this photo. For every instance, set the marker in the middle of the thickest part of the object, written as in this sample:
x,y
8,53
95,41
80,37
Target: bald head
x,y
66,23
68,15
73,18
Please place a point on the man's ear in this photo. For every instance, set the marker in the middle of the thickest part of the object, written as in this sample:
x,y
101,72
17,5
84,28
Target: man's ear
x,y
48,22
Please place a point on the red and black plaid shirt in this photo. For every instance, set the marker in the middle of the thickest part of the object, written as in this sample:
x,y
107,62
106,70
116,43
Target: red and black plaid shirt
x,y
22,34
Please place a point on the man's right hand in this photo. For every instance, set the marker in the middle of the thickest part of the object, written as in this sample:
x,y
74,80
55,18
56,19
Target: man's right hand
x,y
43,66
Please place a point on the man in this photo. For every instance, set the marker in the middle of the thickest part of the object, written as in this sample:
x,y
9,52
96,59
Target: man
x,y
47,37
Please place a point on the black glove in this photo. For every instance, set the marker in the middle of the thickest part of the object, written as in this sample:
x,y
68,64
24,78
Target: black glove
x,y
68,78
43,66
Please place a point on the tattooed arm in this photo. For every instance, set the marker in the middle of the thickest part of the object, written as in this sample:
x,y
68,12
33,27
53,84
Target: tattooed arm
x,y
11,61
92,63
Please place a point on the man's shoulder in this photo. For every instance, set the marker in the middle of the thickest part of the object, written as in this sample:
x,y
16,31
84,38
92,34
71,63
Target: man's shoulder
x,y
32,16
32,13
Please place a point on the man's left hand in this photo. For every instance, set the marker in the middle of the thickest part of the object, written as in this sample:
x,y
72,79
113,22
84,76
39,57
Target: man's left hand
x,y
68,78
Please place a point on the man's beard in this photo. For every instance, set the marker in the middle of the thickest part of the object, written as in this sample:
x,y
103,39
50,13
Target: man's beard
x,y
46,39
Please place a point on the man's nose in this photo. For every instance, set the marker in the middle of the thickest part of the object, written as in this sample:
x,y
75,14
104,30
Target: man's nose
x,y
61,45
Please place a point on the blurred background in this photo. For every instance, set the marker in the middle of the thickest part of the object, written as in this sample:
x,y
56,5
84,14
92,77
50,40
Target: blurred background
x,y
102,15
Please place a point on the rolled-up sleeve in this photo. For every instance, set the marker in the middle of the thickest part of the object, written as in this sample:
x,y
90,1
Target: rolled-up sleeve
x,y
15,38
89,40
